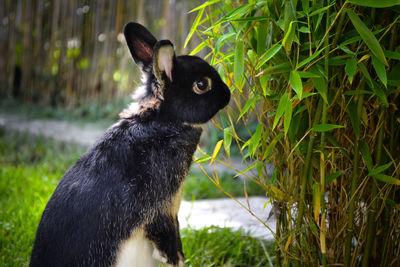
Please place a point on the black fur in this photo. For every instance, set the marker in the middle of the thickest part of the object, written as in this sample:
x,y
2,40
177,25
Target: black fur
x,y
130,176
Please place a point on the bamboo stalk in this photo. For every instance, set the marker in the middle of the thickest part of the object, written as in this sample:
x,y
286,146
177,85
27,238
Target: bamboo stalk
x,y
322,152
304,176
371,221
350,221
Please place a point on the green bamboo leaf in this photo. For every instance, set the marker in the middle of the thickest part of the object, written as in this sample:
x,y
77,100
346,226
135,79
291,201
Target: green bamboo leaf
x,y
261,38
222,39
333,176
366,74
320,85
379,169
304,29
380,93
387,179
269,54
366,153
288,38
308,59
228,140
306,6
202,159
194,26
375,3
248,105
208,3
352,110
260,18
324,127
380,70
255,140
308,74
238,67
351,68
367,36
278,69
288,116
281,109
358,92
319,10
272,145
199,47
245,170
295,82
392,54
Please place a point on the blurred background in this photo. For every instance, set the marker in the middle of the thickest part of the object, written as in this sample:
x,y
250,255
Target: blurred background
x,y
72,53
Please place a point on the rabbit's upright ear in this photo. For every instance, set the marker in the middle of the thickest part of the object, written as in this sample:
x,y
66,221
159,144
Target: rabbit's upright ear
x,y
140,42
163,60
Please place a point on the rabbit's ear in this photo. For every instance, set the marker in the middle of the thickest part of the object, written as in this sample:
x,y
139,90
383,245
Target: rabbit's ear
x,y
140,42
163,60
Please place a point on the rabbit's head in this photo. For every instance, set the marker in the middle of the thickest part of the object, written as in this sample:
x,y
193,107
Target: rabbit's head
x,y
176,88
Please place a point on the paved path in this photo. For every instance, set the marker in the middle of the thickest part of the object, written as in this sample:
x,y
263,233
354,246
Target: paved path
x,y
197,214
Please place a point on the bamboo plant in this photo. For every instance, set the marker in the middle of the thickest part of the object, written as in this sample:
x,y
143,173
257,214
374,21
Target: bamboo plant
x,y
316,85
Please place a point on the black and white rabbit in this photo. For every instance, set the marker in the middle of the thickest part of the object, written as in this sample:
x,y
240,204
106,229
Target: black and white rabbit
x,y
118,204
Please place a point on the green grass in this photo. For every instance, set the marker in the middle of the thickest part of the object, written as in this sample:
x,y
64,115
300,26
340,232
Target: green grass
x,y
199,186
214,246
30,170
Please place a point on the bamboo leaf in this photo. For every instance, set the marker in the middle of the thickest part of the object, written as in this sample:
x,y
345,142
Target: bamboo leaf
x,y
208,3
199,48
366,153
281,108
202,159
288,116
351,68
248,105
387,179
375,3
352,110
379,169
255,140
277,69
194,26
245,170
309,59
269,54
367,36
272,145
295,82
333,176
392,54
380,70
324,127
261,38
216,150
320,85
228,140
238,68
288,38
319,10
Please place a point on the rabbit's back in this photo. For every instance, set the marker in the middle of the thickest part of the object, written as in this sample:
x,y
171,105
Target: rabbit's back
x,y
131,175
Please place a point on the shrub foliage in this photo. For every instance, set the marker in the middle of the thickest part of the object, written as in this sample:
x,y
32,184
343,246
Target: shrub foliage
x,y
320,82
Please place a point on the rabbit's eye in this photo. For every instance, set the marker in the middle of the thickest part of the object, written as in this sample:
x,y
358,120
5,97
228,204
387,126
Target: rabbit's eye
x,y
201,86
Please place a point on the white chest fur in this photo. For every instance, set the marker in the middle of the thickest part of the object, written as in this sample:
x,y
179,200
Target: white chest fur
x,y
136,251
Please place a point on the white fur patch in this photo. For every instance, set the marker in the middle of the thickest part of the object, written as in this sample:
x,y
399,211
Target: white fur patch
x,y
136,251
